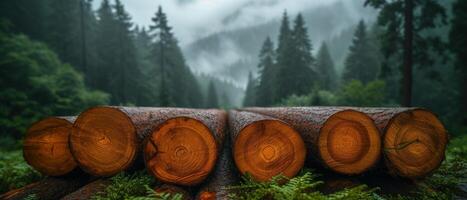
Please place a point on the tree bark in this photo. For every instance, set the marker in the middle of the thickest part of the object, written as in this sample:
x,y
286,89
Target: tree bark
x,y
107,140
408,52
50,188
46,146
223,176
183,150
264,146
414,140
89,190
343,140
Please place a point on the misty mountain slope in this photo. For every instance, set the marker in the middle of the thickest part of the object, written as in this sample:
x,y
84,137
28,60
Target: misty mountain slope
x,y
230,55
228,94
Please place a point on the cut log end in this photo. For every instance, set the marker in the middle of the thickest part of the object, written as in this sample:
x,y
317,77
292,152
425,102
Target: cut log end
x,y
267,148
181,150
46,147
349,142
103,141
414,143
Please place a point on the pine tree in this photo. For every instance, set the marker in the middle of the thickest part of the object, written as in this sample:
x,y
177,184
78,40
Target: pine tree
x,y
458,43
104,43
361,62
265,93
406,23
178,85
64,31
303,75
212,98
127,77
325,69
294,59
250,97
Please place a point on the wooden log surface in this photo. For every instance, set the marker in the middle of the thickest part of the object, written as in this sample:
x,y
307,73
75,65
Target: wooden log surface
x,y
224,175
106,140
414,140
89,190
341,139
50,187
264,146
183,150
46,146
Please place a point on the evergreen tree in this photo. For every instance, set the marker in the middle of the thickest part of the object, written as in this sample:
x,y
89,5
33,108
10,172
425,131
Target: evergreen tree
x,y
212,101
105,44
250,98
325,69
178,85
64,31
294,59
126,78
362,62
265,92
458,42
405,37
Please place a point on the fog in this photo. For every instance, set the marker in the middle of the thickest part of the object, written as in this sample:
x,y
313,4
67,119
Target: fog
x,y
222,38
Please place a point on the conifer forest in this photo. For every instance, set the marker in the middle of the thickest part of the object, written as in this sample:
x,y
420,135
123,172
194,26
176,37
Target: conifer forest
x,y
233,99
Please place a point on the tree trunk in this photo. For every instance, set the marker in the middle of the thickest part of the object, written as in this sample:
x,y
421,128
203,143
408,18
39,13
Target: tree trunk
x,y
173,190
223,176
408,52
107,140
414,140
89,190
50,188
264,146
46,147
183,150
343,140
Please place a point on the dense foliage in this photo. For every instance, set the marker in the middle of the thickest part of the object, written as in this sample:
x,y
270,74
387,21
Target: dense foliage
x,y
38,84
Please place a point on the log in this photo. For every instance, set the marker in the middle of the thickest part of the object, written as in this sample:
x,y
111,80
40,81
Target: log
x,y
183,150
223,176
264,146
173,190
50,187
414,140
338,138
89,190
45,146
106,140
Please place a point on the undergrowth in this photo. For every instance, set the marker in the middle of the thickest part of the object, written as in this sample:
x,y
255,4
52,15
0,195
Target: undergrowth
x,y
14,171
135,186
302,187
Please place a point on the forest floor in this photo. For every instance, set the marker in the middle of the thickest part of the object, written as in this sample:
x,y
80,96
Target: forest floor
x,y
447,182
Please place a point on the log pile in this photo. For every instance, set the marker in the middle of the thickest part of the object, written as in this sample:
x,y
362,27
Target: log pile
x,y
198,153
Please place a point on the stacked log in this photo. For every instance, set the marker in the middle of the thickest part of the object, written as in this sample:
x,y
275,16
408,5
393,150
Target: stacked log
x,y
224,175
46,148
341,139
183,150
182,144
265,146
414,140
50,188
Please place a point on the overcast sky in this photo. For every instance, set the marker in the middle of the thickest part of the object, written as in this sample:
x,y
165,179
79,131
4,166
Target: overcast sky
x,y
192,19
